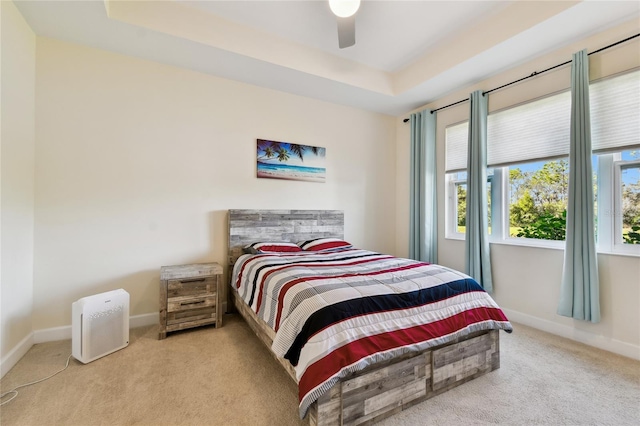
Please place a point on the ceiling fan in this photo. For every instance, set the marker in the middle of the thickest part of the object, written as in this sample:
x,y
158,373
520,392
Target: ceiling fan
x,y
345,11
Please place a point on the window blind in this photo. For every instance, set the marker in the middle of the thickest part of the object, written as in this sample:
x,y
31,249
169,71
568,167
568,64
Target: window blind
x,y
456,145
615,112
539,130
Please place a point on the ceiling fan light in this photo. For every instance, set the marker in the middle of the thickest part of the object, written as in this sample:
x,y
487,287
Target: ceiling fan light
x,y
344,8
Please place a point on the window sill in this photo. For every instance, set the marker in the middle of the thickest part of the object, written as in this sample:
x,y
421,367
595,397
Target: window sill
x,y
619,253
556,245
529,242
553,245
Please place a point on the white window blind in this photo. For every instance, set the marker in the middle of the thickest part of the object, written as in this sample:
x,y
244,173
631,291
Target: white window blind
x,y
533,131
539,130
456,141
615,112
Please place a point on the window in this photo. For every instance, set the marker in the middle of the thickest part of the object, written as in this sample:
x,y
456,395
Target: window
x,y
527,152
619,202
629,193
538,195
458,184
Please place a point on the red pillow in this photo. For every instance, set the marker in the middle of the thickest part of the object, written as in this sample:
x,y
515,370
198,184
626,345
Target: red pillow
x,y
324,244
271,247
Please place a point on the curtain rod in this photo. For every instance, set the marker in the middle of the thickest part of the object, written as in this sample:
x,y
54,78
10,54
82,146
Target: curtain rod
x,y
533,74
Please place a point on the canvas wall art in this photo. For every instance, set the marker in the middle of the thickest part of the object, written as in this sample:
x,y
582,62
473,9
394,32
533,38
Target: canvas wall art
x,y
284,160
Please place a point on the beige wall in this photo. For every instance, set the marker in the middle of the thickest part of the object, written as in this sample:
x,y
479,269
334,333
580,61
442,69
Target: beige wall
x,y
526,279
17,138
138,162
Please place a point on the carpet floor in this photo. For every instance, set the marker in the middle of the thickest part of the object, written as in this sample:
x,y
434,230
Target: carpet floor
x,y
225,376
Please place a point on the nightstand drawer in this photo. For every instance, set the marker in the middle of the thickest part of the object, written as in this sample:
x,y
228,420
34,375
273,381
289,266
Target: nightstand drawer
x,y
191,286
179,317
185,303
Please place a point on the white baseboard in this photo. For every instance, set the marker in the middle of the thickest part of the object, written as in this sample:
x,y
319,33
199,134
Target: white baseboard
x,y
64,332
144,320
59,333
9,360
52,334
571,333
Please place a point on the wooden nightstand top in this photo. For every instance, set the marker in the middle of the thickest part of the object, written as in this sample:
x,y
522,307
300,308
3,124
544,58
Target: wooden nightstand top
x,y
192,270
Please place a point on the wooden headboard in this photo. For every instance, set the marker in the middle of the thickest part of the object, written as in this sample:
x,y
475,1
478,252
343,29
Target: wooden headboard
x,y
248,226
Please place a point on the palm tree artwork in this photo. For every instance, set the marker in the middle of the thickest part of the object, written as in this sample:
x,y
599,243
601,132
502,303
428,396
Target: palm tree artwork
x,y
290,161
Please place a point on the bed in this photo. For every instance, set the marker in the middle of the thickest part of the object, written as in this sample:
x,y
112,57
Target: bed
x,y
341,385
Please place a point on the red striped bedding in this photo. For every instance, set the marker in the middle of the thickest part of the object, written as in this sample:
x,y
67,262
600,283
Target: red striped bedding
x,y
338,312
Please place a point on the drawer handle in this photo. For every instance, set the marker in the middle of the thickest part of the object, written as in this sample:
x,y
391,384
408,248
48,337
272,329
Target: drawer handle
x,y
195,280
191,303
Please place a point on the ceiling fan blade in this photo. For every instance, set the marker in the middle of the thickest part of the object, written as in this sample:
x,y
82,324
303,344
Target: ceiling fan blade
x,y
346,31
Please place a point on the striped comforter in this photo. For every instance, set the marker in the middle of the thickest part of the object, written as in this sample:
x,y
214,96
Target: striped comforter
x,y
338,312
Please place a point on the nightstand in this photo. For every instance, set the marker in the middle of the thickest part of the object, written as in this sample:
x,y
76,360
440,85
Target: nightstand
x,y
189,296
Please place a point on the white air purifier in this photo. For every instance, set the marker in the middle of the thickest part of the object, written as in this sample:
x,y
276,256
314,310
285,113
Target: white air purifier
x,y
99,325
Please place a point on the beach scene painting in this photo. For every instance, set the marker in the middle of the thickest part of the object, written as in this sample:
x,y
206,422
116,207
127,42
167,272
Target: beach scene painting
x,y
290,161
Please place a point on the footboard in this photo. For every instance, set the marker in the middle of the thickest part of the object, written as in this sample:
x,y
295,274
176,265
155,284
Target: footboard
x,y
384,389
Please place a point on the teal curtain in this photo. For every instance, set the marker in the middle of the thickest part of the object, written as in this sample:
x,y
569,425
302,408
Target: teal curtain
x,y
423,220
477,255
579,291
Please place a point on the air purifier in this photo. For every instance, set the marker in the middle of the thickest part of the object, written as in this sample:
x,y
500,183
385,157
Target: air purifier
x,y
99,325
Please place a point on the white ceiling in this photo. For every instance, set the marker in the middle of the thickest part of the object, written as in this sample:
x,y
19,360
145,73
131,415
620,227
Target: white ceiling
x,y
407,53
390,34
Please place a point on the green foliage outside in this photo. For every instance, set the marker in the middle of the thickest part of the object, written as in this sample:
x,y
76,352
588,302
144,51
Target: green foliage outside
x,y
546,227
462,205
632,236
631,210
538,203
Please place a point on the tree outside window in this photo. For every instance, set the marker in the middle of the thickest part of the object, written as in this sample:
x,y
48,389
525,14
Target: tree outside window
x,y
630,182
538,200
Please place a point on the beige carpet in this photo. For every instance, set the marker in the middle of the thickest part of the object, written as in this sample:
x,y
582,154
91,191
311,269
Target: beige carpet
x,y
225,376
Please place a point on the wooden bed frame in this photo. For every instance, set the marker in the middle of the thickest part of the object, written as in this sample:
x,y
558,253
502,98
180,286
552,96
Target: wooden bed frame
x,y
382,389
